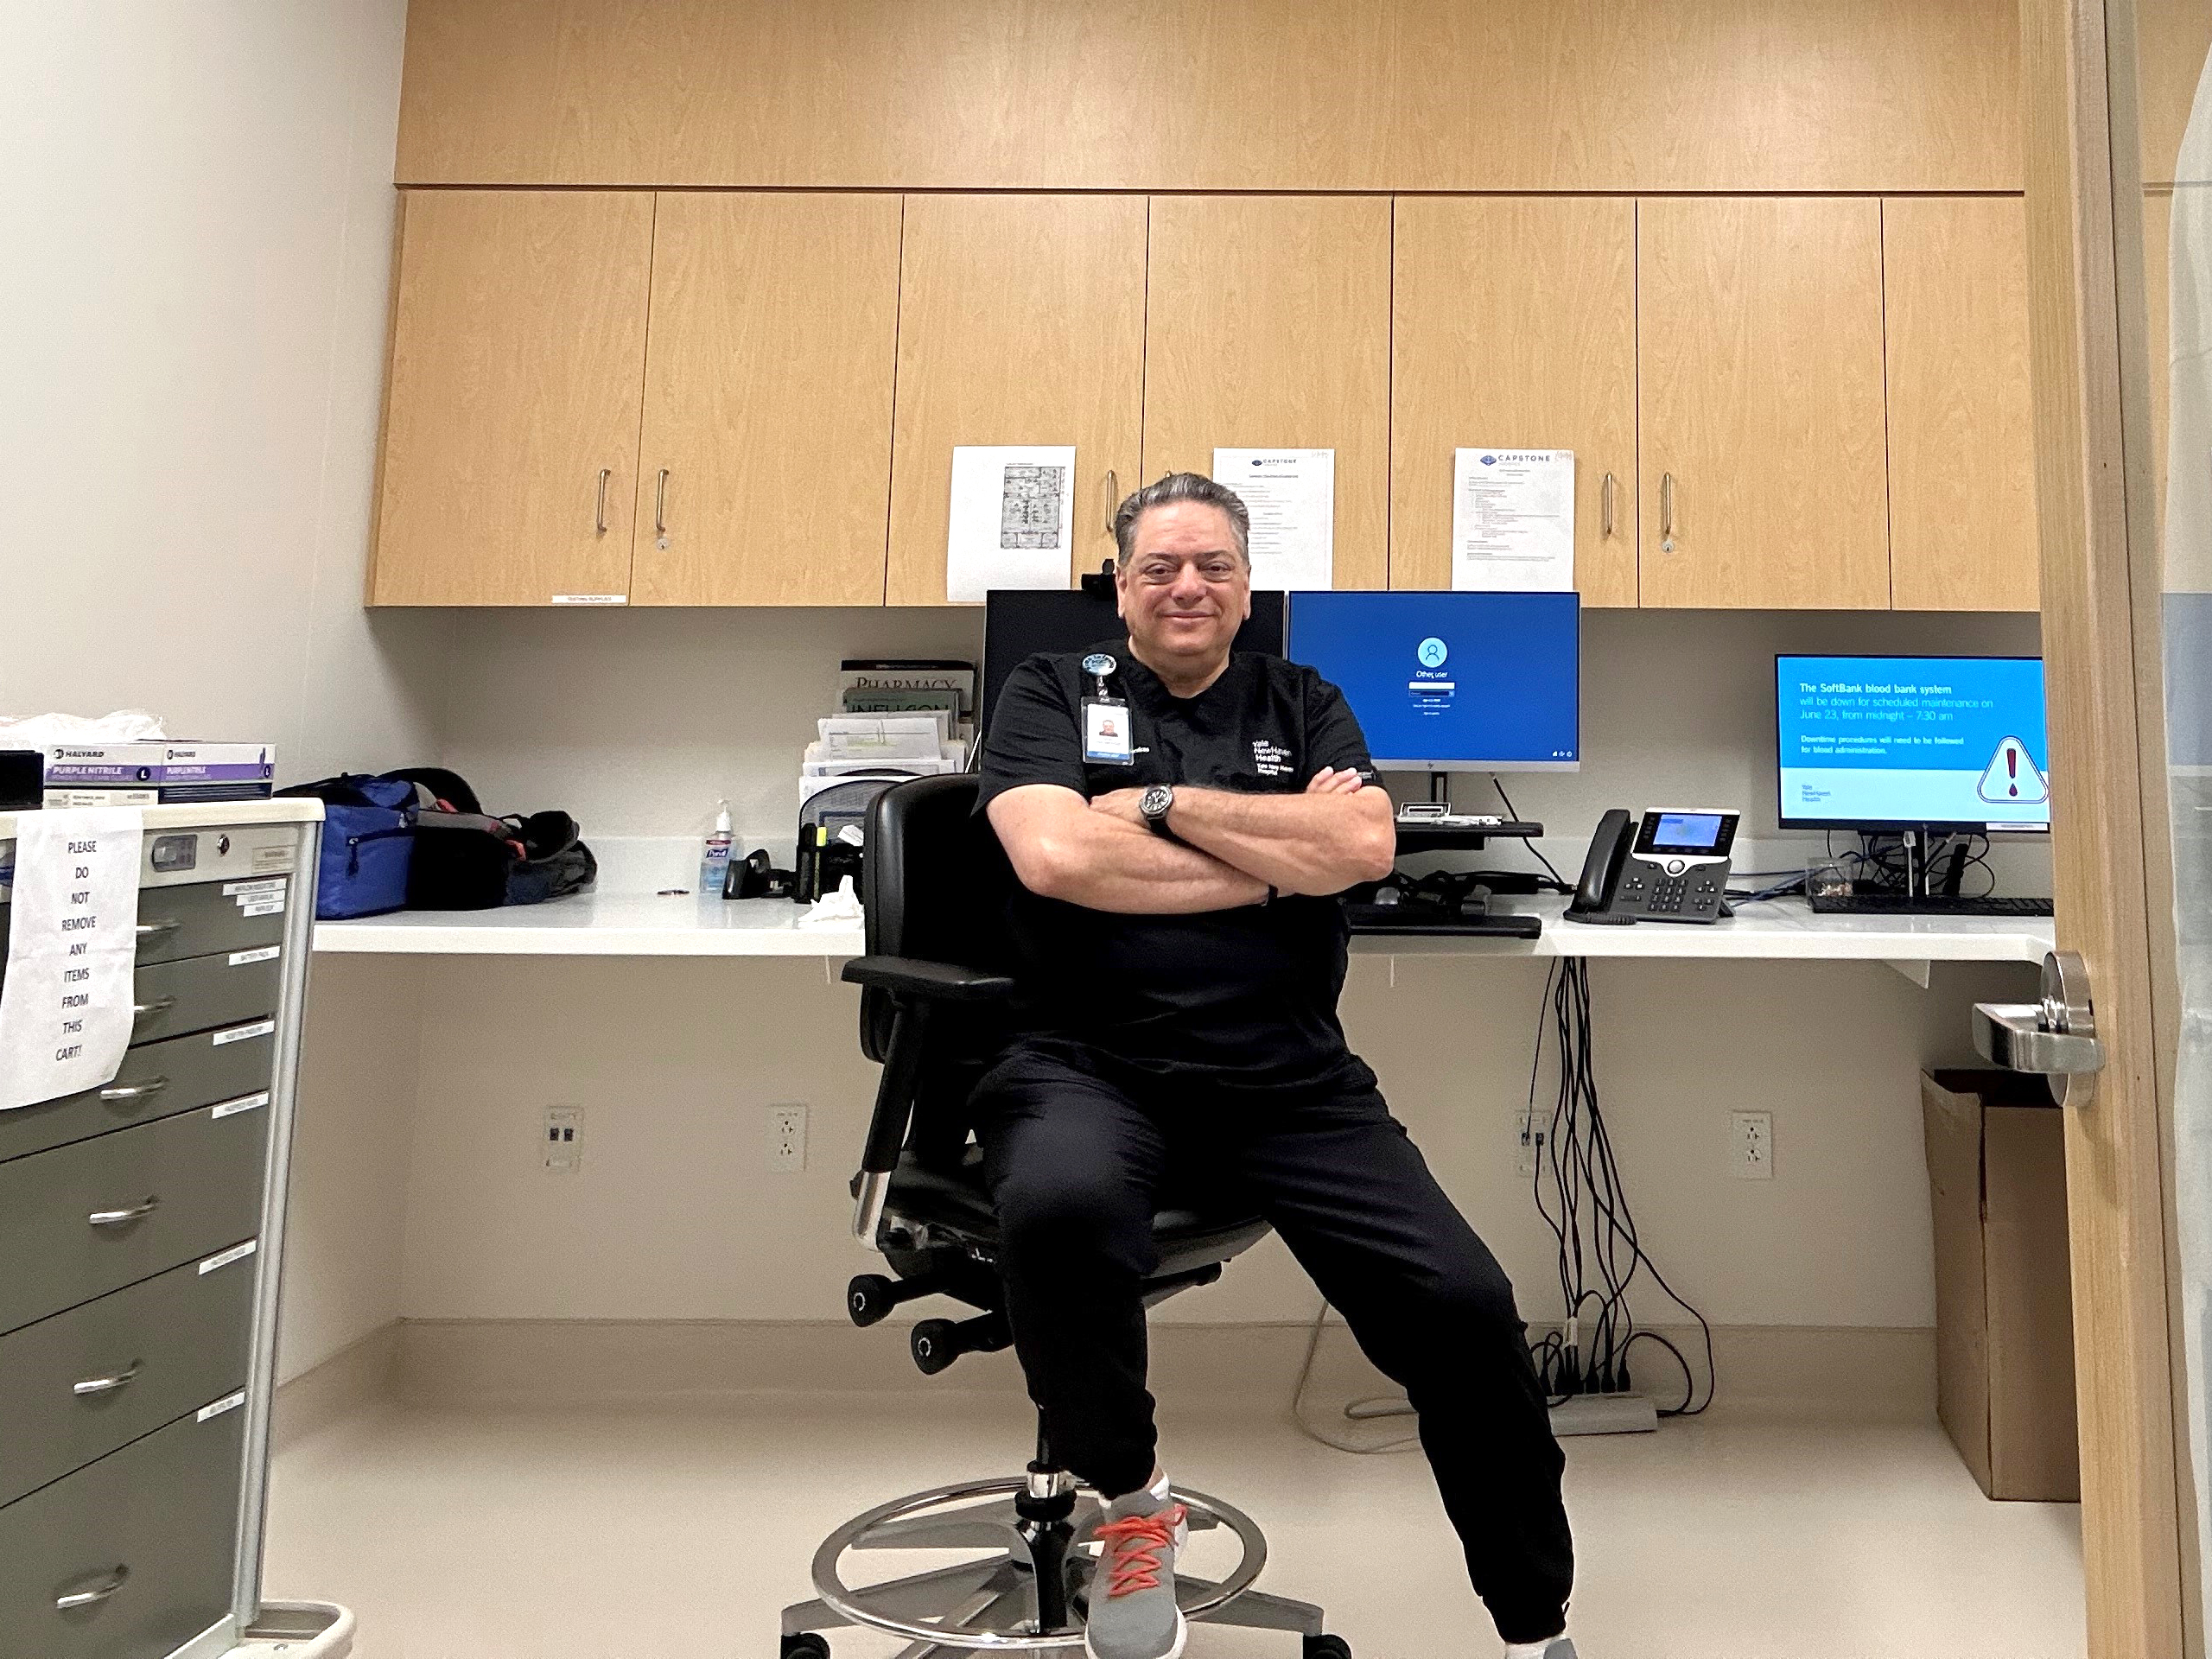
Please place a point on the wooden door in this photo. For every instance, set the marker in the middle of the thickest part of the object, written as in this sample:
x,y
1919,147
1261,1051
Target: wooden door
x,y
1020,320
2113,862
1760,362
1268,326
1962,487
764,474
1513,325
511,413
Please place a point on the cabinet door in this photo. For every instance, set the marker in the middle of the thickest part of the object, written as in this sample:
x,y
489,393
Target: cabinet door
x,y
1020,320
764,474
1963,486
510,416
1267,325
1514,326
1760,326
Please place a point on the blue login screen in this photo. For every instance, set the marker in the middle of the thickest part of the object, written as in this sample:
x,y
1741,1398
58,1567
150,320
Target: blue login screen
x,y
1912,740
1473,681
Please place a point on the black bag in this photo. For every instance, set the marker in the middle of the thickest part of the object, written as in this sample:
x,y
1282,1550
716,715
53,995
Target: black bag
x,y
466,859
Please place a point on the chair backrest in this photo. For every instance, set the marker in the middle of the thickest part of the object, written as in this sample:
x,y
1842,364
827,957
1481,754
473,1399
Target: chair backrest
x,y
936,887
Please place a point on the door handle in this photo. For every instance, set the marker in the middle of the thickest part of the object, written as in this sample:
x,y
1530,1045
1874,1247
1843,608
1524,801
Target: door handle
x,y
2055,1038
1666,512
108,1384
121,1217
660,504
159,1005
599,516
146,930
1605,507
1113,498
110,1584
144,1091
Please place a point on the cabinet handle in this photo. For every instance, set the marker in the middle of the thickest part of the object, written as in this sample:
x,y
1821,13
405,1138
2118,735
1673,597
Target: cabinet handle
x,y
1666,512
1113,498
146,930
118,1217
98,1592
144,1091
599,519
108,1384
159,1005
660,504
1605,507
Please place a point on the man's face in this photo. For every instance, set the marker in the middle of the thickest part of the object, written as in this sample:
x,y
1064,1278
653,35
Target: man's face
x,y
1183,590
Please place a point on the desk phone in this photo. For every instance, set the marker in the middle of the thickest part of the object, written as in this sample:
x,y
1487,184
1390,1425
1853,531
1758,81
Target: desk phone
x,y
1671,865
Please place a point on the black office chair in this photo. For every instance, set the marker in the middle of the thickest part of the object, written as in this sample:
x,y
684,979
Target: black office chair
x,y
935,1007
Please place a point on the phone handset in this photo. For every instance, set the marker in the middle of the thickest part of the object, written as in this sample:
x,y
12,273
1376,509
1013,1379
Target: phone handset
x,y
1601,872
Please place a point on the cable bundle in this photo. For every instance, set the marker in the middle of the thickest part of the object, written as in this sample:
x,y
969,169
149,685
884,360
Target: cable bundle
x,y
1587,1191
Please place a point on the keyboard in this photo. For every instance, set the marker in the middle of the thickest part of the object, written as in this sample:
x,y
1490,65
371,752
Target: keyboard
x,y
1434,920
1896,904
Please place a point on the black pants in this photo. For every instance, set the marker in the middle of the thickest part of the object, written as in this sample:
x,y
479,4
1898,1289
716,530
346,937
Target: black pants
x,y
1076,1161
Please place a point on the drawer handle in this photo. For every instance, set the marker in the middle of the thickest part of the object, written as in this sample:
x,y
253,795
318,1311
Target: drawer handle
x,y
108,1384
159,1005
98,1592
120,1217
166,924
134,1091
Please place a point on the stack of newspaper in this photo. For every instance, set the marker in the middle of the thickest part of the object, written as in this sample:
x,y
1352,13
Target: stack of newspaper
x,y
896,719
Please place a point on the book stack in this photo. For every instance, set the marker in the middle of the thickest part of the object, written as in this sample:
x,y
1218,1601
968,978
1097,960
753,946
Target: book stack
x,y
156,772
897,718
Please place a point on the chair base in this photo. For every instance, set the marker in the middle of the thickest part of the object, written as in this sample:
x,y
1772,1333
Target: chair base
x,y
1027,1595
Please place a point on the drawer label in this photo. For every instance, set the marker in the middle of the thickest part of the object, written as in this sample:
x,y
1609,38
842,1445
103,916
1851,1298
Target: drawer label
x,y
265,907
245,958
243,1103
240,1033
272,858
244,891
217,1408
591,599
236,1253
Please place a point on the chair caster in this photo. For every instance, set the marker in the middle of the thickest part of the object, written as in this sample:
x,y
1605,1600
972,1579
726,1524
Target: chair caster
x,y
808,1644
1317,1647
869,1300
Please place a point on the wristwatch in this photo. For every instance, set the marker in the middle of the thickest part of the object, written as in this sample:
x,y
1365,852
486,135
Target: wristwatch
x,y
1155,803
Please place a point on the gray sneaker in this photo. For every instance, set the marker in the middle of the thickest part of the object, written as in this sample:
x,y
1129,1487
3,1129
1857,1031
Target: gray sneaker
x,y
1133,1611
1560,1649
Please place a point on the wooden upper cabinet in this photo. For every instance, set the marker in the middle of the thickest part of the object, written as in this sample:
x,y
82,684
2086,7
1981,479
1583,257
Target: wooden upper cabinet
x,y
1763,449
511,413
1515,327
1020,320
1268,326
1962,487
764,474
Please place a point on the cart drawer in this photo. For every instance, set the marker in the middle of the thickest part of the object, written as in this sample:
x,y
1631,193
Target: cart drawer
x,y
157,1080
78,1385
203,919
153,1526
202,992
83,1219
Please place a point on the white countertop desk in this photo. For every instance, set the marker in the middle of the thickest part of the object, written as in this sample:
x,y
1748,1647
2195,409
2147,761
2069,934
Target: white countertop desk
x,y
640,925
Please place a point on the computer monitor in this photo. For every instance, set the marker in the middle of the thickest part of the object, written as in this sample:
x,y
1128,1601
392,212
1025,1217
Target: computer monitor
x,y
1910,743
1452,682
1018,622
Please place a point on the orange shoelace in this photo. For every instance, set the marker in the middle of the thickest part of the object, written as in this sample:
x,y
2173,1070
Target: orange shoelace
x,y
1132,1547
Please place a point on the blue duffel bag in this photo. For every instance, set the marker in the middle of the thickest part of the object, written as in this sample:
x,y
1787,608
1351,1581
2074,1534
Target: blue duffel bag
x,y
368,843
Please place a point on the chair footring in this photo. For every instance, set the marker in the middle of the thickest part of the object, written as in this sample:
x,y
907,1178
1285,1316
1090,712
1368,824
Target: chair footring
x,y
992,1605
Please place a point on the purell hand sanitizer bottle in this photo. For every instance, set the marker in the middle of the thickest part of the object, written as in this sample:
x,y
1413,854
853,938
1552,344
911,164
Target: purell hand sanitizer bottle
x,y
713,861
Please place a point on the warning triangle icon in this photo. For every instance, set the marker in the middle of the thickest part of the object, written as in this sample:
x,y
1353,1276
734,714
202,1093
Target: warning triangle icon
x,y
2010,777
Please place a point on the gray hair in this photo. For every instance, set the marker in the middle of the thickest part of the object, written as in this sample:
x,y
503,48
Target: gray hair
x,y
1171,487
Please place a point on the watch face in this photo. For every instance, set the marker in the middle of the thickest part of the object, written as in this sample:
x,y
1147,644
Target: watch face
x,y
1156,801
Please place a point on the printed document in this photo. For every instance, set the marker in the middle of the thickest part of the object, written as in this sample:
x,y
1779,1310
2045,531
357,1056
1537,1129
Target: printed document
x,y
1292,496
1513,520
72,951
1013,518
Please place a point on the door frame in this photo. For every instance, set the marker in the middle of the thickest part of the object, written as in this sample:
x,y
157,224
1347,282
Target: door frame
x,y
2111,859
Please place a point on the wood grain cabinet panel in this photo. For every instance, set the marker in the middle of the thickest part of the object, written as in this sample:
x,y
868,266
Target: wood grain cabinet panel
x,y
1515,325
765,473
1760,366
512,410
1962,486
1267,325
1020,320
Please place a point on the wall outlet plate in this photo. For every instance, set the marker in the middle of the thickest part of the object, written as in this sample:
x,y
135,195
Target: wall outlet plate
x,y
1751,1146
1530,1131
787,1136
560,1141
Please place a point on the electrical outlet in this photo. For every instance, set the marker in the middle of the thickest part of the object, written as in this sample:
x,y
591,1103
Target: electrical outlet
x,y
787,1135
1751,1146
562,1140
1529,1133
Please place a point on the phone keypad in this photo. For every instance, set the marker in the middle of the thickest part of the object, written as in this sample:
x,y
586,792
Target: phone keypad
x,y
1651,891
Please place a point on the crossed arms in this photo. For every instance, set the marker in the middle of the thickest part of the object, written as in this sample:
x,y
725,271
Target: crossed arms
x,y
1102,855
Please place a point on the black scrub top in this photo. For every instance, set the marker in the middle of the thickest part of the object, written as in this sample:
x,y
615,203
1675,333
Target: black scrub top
x,y
1244,999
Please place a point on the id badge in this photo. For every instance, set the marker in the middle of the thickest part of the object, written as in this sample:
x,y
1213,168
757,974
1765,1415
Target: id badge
x,y
1106,732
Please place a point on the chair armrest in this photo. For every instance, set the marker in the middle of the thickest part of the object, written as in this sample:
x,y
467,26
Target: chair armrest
x,y
937,982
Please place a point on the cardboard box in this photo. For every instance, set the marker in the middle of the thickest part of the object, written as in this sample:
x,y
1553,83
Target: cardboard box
x,y
2004,1291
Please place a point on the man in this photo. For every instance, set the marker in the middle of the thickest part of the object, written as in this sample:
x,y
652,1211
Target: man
x,y
1179,815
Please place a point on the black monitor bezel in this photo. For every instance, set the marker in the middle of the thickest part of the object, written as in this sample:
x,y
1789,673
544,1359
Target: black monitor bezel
x,y
1900,826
